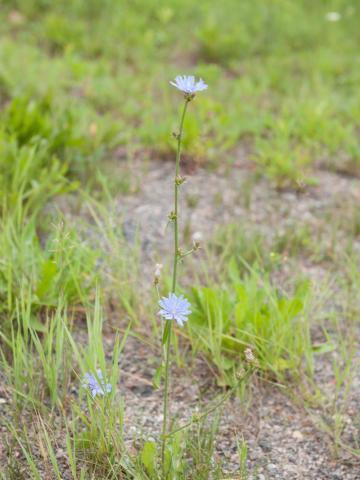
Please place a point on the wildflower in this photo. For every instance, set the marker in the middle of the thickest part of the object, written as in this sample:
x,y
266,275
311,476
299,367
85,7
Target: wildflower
x,y
187,84
175,308
96,384
333,16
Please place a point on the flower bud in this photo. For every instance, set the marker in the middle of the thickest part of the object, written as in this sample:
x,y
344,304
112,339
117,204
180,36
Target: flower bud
x,y
249,356
179,180
157,273
196,238
240,374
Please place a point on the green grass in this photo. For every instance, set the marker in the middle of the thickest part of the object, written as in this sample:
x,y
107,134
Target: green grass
x,y
294,98
250,312
40,270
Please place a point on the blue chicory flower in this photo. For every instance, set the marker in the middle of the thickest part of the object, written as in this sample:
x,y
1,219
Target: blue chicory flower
x,y
187,84
175,308
96,384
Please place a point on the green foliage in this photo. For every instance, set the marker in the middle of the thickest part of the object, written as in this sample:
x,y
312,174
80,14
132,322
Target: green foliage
x,y
258,29
29,177
44,360
196,443
283,162
233,243
280,75
251,313
64,266
39,371
42,128
27,120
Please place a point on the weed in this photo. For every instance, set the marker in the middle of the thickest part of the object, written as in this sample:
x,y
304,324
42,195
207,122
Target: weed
x,y
250,312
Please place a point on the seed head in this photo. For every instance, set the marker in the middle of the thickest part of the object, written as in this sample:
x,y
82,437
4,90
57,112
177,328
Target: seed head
x,y
249,356
157,273
196,238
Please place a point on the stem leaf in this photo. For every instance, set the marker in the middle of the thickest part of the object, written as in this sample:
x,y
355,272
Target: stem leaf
x,y
159,373
166,332
148,457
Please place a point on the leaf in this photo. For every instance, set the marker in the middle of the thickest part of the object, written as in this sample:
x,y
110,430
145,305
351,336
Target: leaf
x,y
233,344
47,276
158,376
168,460
295,307
281,364
148,457
226,363
233,271
321,348
166,332
36,325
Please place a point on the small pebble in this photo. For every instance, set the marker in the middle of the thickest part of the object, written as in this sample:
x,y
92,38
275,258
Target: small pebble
x,y
265,445
298,435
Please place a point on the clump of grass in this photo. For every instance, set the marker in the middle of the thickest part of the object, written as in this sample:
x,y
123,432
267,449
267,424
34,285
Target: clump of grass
x,y
40,369
31,176
232,243
249,312
64,266
54,132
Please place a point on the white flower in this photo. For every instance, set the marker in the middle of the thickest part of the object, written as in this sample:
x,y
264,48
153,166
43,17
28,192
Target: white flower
x,y
333,16
187,84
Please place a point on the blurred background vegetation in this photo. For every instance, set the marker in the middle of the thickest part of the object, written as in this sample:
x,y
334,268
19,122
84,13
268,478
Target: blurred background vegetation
x,y
85,80
85,84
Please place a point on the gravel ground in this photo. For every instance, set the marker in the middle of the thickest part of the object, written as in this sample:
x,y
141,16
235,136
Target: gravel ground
x,y
210,200
283,439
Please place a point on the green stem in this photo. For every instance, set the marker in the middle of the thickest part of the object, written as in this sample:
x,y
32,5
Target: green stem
x,y
176,258
176,189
